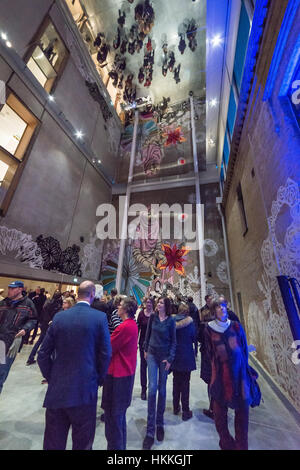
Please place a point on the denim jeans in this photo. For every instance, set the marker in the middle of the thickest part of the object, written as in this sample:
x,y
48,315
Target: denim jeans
x,y
36,347
4,370
157,382
115,430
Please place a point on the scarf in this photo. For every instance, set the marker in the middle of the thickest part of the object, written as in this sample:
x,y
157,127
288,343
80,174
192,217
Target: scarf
x,y
219,326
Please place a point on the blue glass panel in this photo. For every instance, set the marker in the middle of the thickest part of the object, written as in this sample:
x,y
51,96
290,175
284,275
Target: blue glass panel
x,y
231,112
226,150
294,93
241,46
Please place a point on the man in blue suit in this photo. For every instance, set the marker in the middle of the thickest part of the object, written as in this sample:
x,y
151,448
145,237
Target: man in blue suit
x,y
74,358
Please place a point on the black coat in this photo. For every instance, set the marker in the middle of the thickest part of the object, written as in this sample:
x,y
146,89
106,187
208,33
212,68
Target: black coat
x,y
185,337
16,316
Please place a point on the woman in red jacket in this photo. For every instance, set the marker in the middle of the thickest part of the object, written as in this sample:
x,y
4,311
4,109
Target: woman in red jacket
x,y
118,385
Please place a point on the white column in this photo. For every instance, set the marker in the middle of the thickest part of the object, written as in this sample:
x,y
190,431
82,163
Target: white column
x,y
126,205
199,214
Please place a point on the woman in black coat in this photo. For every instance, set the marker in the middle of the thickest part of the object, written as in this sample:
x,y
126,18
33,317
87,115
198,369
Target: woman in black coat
x,y
184,361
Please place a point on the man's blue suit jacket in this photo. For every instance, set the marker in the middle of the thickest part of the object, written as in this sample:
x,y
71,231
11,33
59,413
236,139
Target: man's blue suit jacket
x,y
74,356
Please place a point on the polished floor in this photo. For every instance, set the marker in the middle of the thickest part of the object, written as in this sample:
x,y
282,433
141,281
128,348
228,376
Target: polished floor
x,y
272,427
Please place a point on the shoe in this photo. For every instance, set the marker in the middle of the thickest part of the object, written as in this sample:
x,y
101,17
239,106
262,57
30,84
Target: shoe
x,y
102,417
187,415
148,442
208,413
160,433
29,362
44,381
177,410
143,395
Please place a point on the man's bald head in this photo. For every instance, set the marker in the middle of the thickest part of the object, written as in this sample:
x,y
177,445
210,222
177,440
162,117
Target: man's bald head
x,y
86,291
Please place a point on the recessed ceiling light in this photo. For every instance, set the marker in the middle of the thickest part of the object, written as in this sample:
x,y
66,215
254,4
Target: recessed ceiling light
x,y
50,98
4,36
79,134
216,40
8,43
213,103
99,161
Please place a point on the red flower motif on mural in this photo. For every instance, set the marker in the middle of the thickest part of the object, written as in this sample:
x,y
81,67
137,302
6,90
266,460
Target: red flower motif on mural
x,y
173,136
174,258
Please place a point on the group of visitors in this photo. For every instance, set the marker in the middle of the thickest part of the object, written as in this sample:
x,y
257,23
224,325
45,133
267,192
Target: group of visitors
x,y
94,343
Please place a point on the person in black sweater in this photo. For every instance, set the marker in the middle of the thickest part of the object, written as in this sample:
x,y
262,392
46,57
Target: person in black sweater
x,y
160,348
142,321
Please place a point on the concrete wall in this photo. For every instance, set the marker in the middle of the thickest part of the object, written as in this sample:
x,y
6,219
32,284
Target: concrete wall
x,y
268,169
60,188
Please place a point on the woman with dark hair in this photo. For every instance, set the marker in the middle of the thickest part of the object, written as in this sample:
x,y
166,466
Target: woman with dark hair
x,y
229,387
184,361
118,385
160,347
142,321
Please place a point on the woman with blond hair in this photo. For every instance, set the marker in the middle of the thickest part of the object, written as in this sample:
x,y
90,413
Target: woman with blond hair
x,y
68,302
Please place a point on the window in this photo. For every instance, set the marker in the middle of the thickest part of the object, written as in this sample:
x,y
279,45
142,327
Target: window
x,y
226,150
232,108
242,209
241,46
17,126
47,58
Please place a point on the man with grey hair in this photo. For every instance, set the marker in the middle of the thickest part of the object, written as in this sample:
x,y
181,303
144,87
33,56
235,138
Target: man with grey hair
x,y
74,358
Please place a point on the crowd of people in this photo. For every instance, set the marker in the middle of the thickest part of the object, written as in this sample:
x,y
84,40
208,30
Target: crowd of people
x,y
91,339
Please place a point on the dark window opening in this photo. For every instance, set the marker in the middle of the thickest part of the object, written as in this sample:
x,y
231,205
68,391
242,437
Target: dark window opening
x,y
242,209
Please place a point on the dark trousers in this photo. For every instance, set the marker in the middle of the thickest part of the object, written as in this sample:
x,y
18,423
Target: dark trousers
x,y
36,347
181,390
143,370
241,423
82,419
115,430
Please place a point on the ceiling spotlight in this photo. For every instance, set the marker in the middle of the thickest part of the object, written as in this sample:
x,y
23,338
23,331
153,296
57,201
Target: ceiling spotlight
x,y
213,103
79,134
4,36
99,161
50,98
8,43
216,40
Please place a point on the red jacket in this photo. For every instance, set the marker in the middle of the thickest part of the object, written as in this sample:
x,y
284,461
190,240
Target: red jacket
x,y
124,342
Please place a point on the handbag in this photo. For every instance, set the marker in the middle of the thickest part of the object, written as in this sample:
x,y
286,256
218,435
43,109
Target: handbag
x,y
255,391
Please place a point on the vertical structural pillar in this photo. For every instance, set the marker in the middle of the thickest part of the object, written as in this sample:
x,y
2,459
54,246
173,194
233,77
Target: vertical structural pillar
x,y
123,238
199,214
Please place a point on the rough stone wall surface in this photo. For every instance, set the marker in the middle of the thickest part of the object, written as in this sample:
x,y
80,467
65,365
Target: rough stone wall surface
x,y
59,190
268,169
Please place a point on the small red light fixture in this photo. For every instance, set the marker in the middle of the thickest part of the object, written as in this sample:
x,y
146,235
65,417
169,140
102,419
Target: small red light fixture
x,y
181,161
